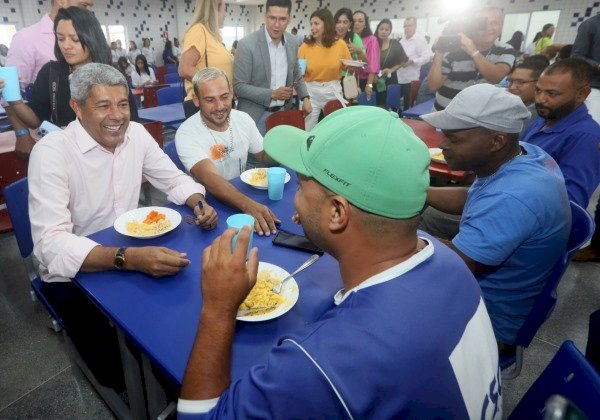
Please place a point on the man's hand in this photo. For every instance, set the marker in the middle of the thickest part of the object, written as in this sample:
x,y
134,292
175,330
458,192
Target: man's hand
x,y
23,146
282,93
206,217
155,261
264,219
306,106
296,216
226,278
467,44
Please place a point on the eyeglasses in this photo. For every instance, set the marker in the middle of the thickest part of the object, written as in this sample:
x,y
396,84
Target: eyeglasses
x,y
519,83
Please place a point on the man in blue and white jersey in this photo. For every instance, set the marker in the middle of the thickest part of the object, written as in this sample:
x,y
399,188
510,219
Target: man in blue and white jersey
x,y
409,335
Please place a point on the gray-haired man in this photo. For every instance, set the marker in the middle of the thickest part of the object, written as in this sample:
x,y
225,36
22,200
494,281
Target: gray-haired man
x,y
80,180
214,143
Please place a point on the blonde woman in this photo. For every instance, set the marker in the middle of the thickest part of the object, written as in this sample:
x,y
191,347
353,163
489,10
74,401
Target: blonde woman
x,y
323,53
203,47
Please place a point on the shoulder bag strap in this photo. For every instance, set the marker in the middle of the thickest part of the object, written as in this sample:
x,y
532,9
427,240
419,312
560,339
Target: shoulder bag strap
x,y
53,94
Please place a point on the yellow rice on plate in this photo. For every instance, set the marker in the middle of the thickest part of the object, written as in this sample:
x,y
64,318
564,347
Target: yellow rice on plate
x,y
262,295
147,229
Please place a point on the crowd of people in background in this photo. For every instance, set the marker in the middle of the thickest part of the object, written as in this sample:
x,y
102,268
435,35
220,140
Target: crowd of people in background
x,y
510,113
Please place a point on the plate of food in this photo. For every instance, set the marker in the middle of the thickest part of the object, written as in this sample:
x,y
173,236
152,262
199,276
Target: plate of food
x,y
257,178
436,155
353,63
147,222
262,303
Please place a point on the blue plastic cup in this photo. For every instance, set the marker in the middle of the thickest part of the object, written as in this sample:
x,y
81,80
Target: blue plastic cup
x,y
276,181
238,221
302,65
12,89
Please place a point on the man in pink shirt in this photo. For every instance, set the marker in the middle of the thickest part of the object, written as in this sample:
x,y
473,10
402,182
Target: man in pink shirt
x,y
80,180
30,49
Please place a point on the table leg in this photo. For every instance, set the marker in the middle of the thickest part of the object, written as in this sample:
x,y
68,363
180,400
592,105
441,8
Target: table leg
x,y
133,379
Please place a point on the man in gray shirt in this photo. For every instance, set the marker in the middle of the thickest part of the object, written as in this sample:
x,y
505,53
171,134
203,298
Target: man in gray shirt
x,y
265,68
587,47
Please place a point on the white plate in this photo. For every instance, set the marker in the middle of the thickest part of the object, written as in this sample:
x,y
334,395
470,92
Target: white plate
x,y
140,214
353,63
246,176
434,151
289,291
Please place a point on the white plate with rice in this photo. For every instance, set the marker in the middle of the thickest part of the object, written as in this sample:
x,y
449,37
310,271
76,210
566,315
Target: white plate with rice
x,y
132,224
257,298
257,178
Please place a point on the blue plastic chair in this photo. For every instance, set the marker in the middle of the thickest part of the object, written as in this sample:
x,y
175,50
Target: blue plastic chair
x,y
16,196
173,78
582,228
362,99
171,68
569,375
171,151
169,95
392,99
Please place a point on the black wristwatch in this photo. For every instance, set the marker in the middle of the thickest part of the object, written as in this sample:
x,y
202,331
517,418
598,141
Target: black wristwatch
x,y
119,263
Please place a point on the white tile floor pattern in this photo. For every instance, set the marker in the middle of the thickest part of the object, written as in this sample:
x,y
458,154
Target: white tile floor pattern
x,y
37,379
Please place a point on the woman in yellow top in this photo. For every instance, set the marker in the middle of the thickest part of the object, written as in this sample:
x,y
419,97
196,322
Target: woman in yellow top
x,y
203,47
323,54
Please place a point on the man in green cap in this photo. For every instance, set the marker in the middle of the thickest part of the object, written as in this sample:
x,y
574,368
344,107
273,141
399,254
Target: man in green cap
x,y
409,335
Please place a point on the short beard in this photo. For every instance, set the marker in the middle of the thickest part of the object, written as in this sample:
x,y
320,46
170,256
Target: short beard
x,y
558,112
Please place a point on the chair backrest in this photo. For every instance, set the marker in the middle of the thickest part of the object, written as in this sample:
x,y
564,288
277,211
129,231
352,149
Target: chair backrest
x,y
173,78
392,99
570,375
160,73
293,117
17,196
12,168
582,228
414,90
171,68
155,128
169,95
149,93
171,151
332,106
362,99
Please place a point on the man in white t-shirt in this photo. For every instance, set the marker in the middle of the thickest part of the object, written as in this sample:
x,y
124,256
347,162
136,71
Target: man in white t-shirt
x,y
214,143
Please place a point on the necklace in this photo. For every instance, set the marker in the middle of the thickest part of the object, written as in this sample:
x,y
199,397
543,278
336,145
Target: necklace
x,y
220,151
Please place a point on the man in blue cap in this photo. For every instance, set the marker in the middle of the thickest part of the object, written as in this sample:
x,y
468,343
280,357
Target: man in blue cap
x,y
408,336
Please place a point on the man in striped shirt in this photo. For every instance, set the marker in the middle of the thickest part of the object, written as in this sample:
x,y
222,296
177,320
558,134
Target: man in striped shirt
x,y
481,59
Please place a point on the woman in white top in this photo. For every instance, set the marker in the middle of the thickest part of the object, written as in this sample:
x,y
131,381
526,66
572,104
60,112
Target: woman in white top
x,y
143,75
133,52
148,51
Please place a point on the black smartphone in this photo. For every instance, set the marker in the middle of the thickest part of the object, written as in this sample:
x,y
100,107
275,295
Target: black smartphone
x,y
448,43
291,240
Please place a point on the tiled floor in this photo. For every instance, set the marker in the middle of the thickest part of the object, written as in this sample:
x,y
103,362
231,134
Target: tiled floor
x,y
37,379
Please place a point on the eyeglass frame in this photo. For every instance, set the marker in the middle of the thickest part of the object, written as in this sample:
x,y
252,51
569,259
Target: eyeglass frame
x,y
519,83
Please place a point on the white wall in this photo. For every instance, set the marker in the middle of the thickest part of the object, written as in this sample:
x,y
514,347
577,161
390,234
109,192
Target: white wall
x,y
149,18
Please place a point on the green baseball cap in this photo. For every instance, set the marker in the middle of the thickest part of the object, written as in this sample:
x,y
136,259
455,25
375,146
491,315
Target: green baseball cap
x,y
363,153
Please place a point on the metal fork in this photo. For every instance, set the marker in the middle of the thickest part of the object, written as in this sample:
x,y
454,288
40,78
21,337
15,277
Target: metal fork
x,y
277,288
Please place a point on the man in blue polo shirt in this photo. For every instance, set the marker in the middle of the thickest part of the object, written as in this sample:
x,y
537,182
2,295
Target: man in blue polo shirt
x,y
408,336
565,129
515,217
